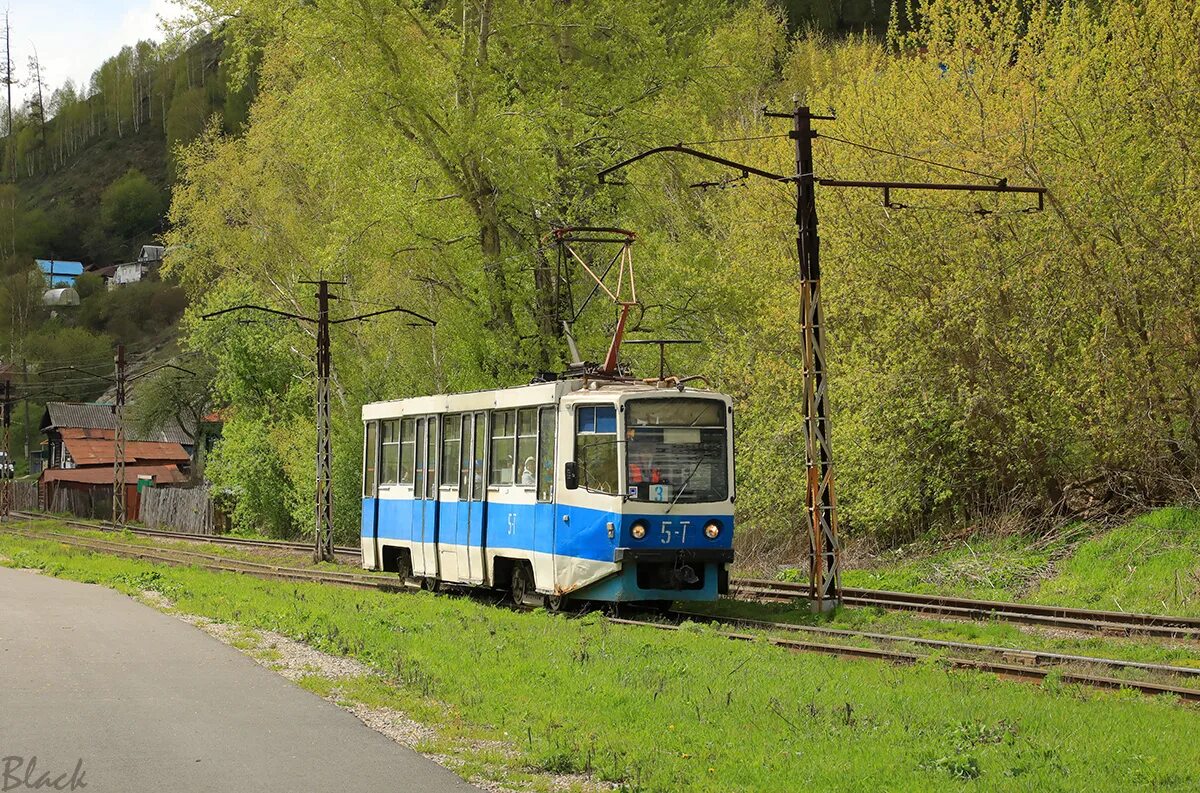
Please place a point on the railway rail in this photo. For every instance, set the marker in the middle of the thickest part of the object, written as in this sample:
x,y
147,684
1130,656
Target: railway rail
x,y
343,553
1087,620
1003,667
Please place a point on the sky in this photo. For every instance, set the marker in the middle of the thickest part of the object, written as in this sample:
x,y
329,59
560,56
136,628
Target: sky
x,y
73,37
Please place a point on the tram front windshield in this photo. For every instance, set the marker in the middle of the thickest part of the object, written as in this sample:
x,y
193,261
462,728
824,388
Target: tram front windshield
x,y
676,450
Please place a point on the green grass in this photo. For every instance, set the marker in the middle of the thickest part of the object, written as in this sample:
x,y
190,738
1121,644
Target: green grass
x,y
686,710
991,568
1150,564
1005,634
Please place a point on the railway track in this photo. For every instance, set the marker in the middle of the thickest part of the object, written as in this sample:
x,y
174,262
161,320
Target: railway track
x,y
1112,623
1117,623
1005,670
1003,667
1012,654
343,553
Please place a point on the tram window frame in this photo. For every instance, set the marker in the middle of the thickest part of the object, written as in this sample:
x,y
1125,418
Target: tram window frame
x,y
545,446
597,429
431,457
479,451
408,450
389,457
370,458
419,462
526,449
466,455
502,442
451,450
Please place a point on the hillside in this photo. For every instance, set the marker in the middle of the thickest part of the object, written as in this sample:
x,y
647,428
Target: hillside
x,y
71,195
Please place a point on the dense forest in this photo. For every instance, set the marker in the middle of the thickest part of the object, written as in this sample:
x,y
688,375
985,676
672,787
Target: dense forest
x,y
986,359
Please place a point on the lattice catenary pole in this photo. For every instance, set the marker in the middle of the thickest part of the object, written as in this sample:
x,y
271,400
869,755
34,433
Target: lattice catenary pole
x,y
118,509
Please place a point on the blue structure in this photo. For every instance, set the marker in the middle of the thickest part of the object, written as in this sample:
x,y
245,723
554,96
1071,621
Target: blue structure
x,y
59,273
592,490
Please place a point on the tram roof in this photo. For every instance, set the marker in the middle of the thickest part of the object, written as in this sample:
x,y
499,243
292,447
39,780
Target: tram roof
x,y
514,396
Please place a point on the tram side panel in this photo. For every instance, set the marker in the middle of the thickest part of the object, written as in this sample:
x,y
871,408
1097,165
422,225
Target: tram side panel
x,y
585,536
395,520
522,511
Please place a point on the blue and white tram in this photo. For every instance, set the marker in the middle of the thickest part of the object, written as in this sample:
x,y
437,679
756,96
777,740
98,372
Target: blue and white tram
x,y
585,489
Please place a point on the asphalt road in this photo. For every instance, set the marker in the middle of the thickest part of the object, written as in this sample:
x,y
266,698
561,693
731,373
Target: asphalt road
x,y
92,681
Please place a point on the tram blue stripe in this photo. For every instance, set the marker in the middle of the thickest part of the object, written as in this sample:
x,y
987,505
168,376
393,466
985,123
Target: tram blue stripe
x,y
541,528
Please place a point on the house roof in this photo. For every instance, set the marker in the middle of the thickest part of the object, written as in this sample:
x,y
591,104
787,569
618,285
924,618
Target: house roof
x,y
163,475
100,451
99,416
70,269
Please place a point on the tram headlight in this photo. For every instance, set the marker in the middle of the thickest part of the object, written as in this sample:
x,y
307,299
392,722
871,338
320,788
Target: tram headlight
x,y
638,529
712,529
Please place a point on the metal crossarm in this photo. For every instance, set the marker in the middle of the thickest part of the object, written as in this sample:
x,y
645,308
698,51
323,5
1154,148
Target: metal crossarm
x,y
323,507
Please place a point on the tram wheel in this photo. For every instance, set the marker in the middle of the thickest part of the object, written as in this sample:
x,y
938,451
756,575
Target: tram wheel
x,y
522,584
557,603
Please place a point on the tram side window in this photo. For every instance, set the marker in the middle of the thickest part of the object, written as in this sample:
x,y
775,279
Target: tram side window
x,y
545,480
408,450
468,434
431,457
596,447
504,434
390,468
372,437
477,466
419,461
527,430
451,438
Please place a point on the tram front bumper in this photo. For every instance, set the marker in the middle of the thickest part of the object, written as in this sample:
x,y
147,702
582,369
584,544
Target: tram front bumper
x,y
665,574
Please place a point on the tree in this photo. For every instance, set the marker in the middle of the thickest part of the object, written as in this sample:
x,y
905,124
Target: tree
x,y
9,82
131,206
175,398
89,284
187,116
437,192
35,102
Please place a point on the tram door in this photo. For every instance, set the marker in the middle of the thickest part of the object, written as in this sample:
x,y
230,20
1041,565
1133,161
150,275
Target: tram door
x,y
370,512
472,493
544,520
424,504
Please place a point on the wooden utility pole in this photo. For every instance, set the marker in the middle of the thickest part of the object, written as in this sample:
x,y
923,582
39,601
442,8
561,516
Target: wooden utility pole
x,y
825,589
323,513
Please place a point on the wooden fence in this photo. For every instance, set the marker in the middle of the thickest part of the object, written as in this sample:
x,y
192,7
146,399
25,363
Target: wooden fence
x,y
189,510
25,496
93,503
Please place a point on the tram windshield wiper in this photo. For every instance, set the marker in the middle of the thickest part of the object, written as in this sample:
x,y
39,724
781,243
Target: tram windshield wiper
x,y
683,487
